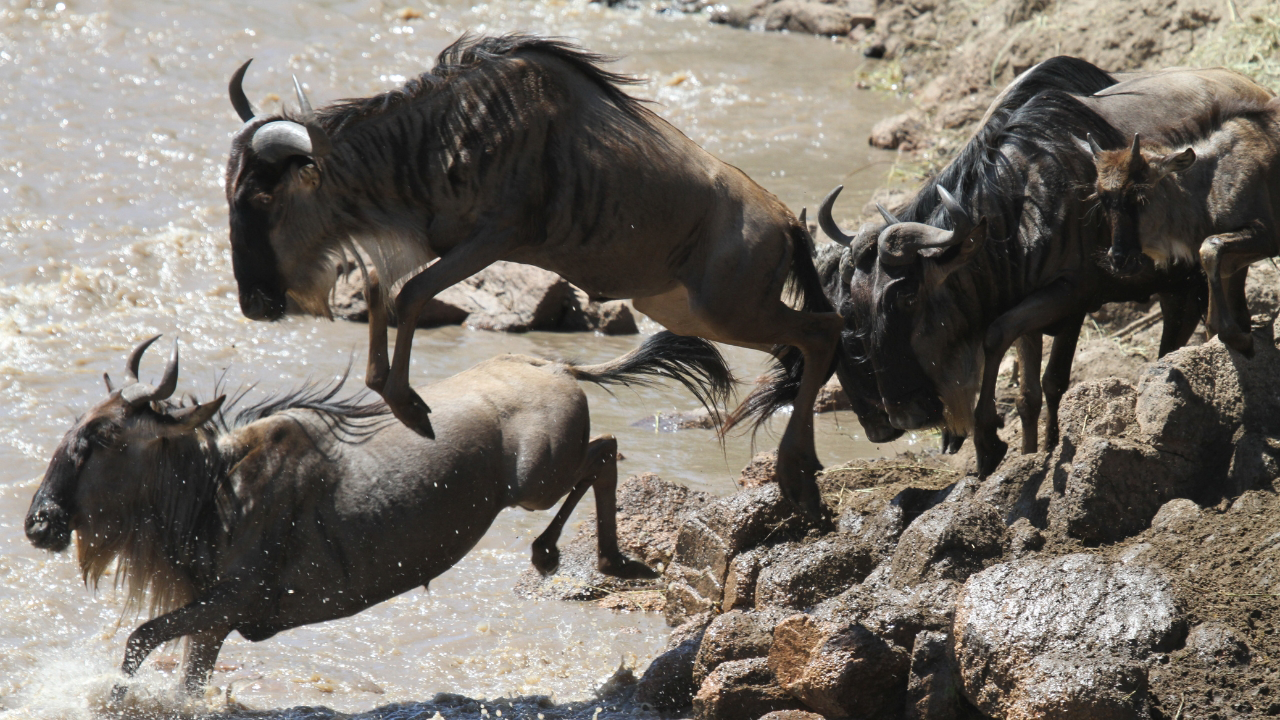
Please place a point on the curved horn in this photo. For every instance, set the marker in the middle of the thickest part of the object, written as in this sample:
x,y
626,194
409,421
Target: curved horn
x,y
828,224
1135,152
303,104
888,216
282,139
140,393
238,100
135,357
960,219
320,145
1093,145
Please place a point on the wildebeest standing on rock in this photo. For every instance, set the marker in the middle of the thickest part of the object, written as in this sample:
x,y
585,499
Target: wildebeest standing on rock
x,y
1216,200
305,508
1049,278
522,148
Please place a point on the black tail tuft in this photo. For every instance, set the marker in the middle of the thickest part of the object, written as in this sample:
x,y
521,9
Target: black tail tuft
x,y
782,383
692,361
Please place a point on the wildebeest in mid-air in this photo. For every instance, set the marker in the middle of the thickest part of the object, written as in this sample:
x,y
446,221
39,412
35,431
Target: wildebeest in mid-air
x,y
1211,196
524,149
305,508
953,295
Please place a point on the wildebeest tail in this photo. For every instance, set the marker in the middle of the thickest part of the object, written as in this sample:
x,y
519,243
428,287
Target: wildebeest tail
x,y
781,384
691,361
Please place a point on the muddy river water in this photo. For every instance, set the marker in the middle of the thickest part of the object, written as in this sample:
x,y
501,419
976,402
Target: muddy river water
x,y
115,127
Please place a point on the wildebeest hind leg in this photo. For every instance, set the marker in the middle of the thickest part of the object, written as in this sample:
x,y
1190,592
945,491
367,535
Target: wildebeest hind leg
x,y
458,264
1222,256
601,469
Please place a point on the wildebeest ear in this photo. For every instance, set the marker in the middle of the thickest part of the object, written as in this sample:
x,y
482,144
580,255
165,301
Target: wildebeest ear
x,y
197,415
309,176
1174,162
107,379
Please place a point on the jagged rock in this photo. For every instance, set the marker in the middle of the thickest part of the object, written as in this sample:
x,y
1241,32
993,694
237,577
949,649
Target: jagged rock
x,y
735,635
650,513
607,317
799,575
1014,489
710,538
1215,642
838,669
1024,538
904,132
831,398
950,541
932,685
741,689
762,469
791,715
1032,635
668,683
740,581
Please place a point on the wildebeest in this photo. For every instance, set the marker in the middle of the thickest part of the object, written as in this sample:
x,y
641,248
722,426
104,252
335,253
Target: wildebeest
x,y
305,508
957,296
1215,200
523,148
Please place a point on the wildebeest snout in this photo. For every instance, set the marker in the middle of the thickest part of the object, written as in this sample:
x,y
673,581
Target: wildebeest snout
x,y
1125,264
48,528
258,305
918,412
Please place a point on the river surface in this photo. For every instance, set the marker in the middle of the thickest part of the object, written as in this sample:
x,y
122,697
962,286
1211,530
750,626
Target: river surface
x,y
113,224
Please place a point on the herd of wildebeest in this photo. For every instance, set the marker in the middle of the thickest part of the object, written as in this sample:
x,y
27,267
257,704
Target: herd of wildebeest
x,y
1079,188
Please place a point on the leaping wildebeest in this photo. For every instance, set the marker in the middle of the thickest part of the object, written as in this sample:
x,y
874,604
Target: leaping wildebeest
x,y
524,149
1211,196
305,508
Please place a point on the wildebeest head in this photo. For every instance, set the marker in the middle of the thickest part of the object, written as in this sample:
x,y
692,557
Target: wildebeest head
x,y
900,266
279,231
98,480
1125,181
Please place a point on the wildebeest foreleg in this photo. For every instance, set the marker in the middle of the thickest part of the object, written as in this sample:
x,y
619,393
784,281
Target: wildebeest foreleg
x,y
1042,308
1057,375
1030,348
214,613
1222,256
460,263
201,654
1181,311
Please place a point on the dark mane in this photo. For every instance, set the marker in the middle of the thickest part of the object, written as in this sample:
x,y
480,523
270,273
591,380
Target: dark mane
x,y
977,168
470,53
351,419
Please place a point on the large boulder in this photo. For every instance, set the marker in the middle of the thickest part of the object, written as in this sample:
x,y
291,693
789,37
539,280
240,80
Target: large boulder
x,y
741,689
735,635
839,669
798,575
1062,637
951,541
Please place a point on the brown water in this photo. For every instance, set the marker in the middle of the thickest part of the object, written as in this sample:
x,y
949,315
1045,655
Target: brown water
x,y
113,227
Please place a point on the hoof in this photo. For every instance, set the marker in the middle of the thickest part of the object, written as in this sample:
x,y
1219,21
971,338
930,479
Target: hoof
x,y
414,413
546,560
990,455
115,702
1240,342
625,568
